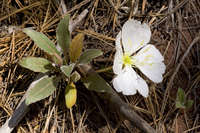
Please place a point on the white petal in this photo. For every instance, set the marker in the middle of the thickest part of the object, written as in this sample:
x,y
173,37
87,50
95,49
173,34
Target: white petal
x,y
150,61
129,81
118,41
118,62
135,35
141,86
124,82
139,83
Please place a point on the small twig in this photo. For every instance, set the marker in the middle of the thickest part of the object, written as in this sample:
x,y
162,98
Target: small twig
x,y
72,118
144,2
64,8
181,4
134,8
48,119
22,9
78,5
74,23
115,8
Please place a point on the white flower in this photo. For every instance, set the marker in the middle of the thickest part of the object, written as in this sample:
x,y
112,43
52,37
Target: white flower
x,y
132,50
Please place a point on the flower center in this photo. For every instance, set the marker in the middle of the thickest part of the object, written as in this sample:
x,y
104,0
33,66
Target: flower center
x,y
127,60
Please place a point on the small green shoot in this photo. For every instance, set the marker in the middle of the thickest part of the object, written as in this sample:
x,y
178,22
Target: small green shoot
x,y
181,101
67,69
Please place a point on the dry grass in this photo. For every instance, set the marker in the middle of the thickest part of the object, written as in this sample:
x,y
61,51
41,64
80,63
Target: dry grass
x,y
174,25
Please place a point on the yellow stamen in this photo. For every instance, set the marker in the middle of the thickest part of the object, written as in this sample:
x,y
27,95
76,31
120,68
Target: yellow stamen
x,y
127,60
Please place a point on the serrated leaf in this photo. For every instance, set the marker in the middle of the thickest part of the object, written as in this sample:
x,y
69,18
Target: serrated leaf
x,y
88,55
76,47
63,34
41,89
67,69
189,104
96,83
43,42
75,76
36,64
181,96
70,95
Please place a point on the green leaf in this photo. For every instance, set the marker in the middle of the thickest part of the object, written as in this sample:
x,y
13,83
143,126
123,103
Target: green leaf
x,y
44,43
96,83
189,104
75,76
70,95
63,34
76,47
180,105
181,96
181,101
67,69
41,89
36,64
88,55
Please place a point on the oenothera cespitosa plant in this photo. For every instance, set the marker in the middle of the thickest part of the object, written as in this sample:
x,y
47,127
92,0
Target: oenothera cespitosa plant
x,y
132,51
61,66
